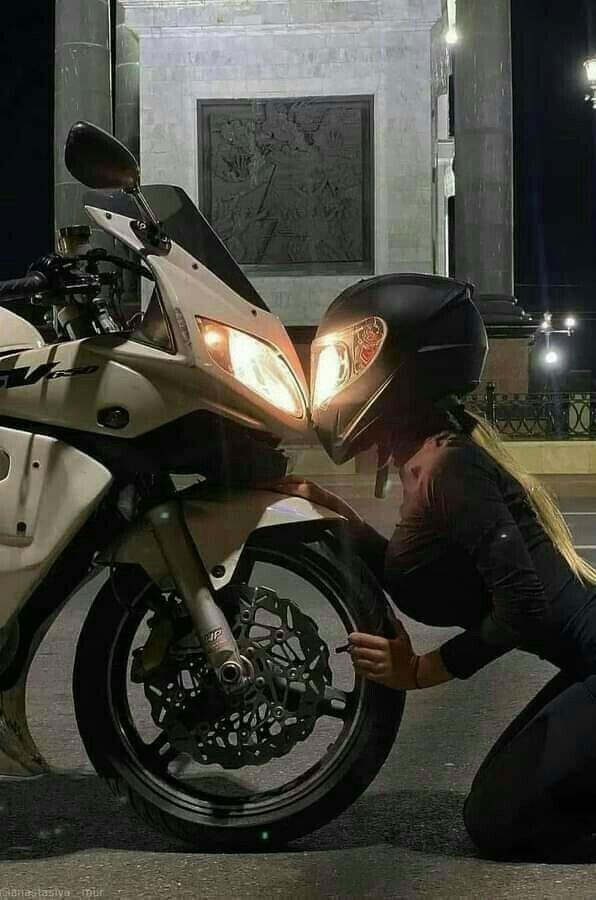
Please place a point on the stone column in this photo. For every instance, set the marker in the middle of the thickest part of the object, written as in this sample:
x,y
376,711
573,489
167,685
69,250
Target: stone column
x,y
83,91
126,87
484,146
127,125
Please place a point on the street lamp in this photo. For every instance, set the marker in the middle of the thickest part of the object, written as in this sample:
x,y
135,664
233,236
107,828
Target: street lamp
x,y
551,357
451,36
546,326
590,67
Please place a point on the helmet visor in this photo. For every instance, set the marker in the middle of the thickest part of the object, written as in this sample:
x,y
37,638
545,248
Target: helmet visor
x,y
341,357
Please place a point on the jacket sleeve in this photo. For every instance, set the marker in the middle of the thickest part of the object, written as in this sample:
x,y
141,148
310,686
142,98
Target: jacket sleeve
x,y
465,495
372,548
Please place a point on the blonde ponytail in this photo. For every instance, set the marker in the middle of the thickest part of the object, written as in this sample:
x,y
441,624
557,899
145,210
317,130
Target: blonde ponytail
x,y
544,505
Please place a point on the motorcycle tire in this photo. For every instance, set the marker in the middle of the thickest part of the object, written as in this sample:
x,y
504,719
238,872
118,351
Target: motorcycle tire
x,y
119,759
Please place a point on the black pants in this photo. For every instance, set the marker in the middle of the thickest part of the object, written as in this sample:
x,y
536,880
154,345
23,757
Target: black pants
x,y
536,789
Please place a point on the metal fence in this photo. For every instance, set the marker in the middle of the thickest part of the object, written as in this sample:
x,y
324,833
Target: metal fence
x,y
545,416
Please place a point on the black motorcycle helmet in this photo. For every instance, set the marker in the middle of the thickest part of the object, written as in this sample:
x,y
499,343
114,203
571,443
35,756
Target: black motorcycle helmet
x,y
387,347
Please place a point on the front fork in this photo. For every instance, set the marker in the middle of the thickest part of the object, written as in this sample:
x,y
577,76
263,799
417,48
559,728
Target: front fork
x,y
192,580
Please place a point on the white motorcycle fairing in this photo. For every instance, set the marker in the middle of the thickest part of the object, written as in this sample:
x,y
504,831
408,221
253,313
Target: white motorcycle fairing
x,y
219,531
47,491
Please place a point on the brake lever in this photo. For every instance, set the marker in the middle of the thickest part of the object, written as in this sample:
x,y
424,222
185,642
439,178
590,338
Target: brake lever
x,y
56,294
100,255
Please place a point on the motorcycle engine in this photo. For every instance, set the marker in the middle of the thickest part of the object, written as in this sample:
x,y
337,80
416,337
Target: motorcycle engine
x,y
266,719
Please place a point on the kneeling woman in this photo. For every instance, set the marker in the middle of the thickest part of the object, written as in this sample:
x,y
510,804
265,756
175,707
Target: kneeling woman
x,y
480,545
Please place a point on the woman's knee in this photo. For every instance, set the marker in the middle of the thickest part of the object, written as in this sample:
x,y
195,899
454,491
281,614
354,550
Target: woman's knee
x,y
499,828
487,830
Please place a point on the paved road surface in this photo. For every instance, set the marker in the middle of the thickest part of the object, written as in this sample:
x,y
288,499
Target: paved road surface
x,y
64,835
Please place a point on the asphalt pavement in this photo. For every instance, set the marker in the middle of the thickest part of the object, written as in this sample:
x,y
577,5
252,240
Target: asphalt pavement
x,y
64,835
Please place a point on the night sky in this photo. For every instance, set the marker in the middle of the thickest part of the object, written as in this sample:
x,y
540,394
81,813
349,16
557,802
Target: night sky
x,y
26,117
554,135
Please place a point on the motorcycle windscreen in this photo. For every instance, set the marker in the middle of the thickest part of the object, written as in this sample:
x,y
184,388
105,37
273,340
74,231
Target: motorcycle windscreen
x,y
186,226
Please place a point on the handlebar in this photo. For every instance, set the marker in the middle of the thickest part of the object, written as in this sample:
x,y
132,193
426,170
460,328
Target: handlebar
x,y
59,277
22,288
75,284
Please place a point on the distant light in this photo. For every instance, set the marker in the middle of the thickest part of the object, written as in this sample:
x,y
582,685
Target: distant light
x,y
590,67
551,358
452,36
570,322
547,322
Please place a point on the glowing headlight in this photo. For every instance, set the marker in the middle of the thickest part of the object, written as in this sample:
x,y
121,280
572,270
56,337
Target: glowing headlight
x,y
259,366
339,359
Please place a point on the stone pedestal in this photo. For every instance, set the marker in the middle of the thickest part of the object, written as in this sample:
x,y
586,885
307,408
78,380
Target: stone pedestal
x,y
506,366
283,50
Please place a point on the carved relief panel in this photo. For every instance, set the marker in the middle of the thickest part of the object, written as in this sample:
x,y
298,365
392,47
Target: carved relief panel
x,y
288,183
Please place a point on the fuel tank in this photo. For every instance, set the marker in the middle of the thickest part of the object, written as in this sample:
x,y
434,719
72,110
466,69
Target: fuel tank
x,y
17,334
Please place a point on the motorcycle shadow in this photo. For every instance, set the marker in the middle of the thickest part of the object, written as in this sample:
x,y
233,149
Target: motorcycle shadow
x,y
413,820
59,814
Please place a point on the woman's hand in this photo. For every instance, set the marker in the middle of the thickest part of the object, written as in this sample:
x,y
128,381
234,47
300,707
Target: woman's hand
x,y
388,661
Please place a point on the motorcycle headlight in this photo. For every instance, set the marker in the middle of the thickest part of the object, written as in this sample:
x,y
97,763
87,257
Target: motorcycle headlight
x,y
338,359
258,365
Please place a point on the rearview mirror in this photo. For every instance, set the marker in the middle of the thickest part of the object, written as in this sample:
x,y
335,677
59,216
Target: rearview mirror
x,y
100,161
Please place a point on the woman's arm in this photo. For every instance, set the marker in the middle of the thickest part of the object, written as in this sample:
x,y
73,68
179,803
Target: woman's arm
x,y
431,670
392,661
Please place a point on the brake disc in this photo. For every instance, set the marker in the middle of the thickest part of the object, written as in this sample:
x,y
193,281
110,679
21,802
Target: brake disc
x,y
266,719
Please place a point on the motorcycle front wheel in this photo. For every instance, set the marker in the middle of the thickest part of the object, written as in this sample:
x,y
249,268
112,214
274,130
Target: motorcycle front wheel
x,y
281,761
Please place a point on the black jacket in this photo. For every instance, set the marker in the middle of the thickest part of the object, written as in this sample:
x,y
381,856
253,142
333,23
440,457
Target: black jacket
x,y
469,551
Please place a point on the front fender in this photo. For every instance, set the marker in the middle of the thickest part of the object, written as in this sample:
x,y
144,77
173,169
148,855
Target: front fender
x,y
220,527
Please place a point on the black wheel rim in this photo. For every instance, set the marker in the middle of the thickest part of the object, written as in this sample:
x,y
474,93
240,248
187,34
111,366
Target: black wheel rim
x,y
148,763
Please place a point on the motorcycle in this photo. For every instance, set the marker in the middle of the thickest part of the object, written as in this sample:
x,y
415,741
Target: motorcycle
x,y
206,691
